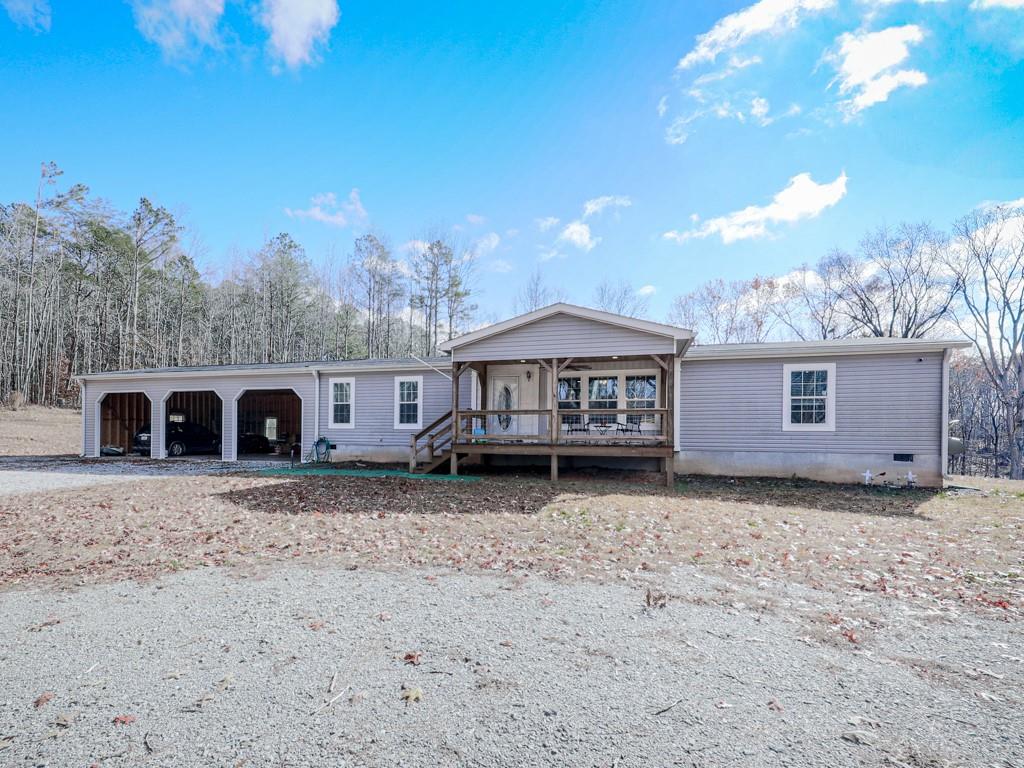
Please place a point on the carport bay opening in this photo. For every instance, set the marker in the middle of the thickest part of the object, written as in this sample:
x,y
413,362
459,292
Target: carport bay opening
x,y
202,407
274,414
297,388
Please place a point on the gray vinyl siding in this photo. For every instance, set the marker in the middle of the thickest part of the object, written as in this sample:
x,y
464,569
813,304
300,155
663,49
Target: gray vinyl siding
x,y
565,336
157,387
889,403
374,407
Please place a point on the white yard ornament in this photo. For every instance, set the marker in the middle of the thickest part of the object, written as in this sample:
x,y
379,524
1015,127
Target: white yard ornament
x,y
911,479
868,477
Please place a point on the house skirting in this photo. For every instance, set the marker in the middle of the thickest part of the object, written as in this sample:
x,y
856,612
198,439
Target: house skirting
x,y
383,454
828,467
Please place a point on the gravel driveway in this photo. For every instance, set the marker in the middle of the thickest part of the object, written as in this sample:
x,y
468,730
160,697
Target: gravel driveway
x,y
36,474
301,666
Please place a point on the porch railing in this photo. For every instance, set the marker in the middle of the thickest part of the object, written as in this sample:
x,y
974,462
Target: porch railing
x,y
572,426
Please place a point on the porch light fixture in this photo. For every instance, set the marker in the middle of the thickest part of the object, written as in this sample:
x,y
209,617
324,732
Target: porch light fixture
x,y
522,361
615,357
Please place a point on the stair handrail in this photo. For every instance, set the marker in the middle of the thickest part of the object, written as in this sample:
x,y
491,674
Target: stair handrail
x,y
414,440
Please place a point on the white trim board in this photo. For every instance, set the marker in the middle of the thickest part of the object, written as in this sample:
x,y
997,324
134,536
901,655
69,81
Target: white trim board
x,y
331,423
419,404
608,318
830,397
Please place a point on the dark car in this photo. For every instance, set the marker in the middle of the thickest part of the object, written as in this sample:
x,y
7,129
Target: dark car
x,y
182,437
253,442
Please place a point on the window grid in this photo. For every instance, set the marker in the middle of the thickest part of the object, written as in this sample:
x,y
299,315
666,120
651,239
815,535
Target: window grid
x,y
569,398
342,403
408,402
603,394
641,392
809,397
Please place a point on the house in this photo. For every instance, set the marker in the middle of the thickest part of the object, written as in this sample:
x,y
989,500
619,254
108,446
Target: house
x,y
568,385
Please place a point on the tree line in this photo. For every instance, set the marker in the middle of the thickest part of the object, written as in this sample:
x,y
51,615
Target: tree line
x,y
84,287
87,288
908,281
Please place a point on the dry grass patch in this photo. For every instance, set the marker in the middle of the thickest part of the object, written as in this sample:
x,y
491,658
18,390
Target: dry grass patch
x,y
33,430
936,548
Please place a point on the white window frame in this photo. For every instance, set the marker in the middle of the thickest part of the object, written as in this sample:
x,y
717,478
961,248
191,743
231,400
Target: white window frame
x,y
351,403
830,397
419,402
620,374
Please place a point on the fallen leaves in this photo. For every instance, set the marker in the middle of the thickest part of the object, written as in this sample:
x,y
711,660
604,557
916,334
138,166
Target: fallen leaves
x,y
413,657
900,545
124,719
43,699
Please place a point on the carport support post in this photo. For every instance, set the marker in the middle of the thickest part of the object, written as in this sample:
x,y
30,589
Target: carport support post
x,y
455,417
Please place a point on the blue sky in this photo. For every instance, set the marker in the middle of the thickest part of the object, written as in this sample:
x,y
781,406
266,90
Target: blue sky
x,y
709,139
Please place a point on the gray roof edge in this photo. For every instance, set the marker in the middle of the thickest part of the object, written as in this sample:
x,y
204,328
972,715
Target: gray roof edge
x,y
259,369
822,348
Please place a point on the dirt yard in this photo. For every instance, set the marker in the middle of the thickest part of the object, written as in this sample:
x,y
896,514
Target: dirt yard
x,y
504,620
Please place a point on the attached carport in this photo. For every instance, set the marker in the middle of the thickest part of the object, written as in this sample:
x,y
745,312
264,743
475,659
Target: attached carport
x,y
172,391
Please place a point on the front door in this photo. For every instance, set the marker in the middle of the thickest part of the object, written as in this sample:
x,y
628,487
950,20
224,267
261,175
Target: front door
x,y
504,393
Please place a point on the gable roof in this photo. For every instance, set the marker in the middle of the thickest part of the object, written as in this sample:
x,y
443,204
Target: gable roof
x,y
610,318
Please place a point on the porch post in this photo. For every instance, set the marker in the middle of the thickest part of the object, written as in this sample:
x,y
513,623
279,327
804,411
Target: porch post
x,y
553,426
455,417
670,426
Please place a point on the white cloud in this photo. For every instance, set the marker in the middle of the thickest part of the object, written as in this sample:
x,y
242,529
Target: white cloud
x,y
866,65
577,233
763,17
547,254
298,28
981,5
500,266
646,290
735,65
548,222
677,132
179,27
34,14
326,209
803,198
413,246
487,244
598,204
759,109
475,218
662,106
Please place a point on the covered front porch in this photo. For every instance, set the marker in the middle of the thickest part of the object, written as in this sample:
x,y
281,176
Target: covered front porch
x,y
617,406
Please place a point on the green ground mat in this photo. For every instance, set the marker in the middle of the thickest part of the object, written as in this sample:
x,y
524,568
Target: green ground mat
x,y
365,473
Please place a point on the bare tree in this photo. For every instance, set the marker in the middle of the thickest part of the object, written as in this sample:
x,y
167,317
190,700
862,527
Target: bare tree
x,y
621,298
987,262
896,286
721,312
536,294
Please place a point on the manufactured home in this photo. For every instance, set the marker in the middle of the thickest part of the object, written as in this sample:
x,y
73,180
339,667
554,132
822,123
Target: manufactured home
x,y
563,386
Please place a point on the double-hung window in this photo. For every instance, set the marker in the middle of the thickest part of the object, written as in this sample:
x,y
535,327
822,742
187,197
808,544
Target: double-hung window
x,y
569,392
408,402
343,405
641,392
603,394
809,397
